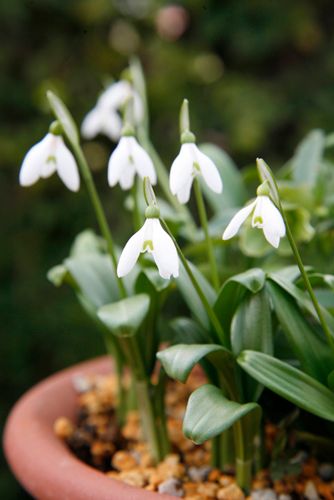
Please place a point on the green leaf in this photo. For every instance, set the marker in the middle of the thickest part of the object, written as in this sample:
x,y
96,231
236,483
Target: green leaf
x,y
252,329
64,117
302,298
234,193
289,382
87,242
306,161
308,347
179,360
190,296
209,413
233,291
330,380
187,331
123,318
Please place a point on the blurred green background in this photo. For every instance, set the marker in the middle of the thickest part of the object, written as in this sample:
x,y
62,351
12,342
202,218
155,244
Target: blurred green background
x,y
258,74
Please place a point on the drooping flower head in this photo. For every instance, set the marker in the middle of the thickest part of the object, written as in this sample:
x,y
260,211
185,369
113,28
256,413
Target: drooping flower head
x,y
191,162
151,238
48,156
129,159
104,118
266,216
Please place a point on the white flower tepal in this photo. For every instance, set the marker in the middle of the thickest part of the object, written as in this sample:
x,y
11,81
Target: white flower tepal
x,y
265,216
128,159
48,156
189,163
104,117
150,238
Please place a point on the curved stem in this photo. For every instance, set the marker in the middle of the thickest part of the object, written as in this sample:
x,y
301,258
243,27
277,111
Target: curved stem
x,y
99,212
306,280
209,310
205,226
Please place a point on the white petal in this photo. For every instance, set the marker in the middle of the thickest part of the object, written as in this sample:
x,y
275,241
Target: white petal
x,y
209,172
115,95
92,123
181,172
127,177
111,125
66,166
33,162
131,252
138,107
120,165
164,252
237,220
273,224
142,161
48,168
183,194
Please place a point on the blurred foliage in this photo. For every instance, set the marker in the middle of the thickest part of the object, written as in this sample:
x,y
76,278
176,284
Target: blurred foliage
x,y
258,75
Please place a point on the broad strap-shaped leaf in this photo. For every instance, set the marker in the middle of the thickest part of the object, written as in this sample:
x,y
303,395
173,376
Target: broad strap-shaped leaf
x,y
305,163
123,318
303,299
64,117
330,380
252,329
234,193
233,291
179,360
209,413
309,348
188,331
190,296
289,382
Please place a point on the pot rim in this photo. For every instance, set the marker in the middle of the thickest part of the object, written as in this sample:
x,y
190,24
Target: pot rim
x,y
41,462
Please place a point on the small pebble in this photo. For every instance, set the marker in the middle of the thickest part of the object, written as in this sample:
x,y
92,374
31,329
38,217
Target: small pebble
x,y
284,496
326,471
198,474
265,494
133,477
123,460
63,428
81,383
171,487
207,490
231,492
310,491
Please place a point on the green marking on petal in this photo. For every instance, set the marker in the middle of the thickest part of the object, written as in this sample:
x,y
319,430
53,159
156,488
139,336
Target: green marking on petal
x,y
51,159
258,220
131,160
148,245
197,167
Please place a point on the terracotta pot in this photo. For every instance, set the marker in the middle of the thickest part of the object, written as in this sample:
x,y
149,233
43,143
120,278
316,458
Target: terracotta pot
x,y
41,462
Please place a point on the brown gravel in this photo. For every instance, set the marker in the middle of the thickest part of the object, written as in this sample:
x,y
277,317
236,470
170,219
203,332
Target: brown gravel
x,y
186,471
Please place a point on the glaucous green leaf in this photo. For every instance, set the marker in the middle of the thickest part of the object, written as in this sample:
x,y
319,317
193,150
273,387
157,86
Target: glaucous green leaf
x,y
305,163
188,331
190,296
64,117
309,348
233,291
289,382
179,360
209,413
123,318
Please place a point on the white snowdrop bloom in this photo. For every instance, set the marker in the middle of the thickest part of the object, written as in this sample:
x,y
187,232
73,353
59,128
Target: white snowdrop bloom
x,y
150,238
48,156
265,216
189,163
128,159
104,118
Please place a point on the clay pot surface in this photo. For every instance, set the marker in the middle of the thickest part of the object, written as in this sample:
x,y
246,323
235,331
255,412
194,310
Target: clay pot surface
x,y
41,462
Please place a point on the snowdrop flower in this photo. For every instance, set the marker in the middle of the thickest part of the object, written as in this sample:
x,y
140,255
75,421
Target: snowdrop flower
x,y
187,165
128,159
151,238
48,156
104,117
265,216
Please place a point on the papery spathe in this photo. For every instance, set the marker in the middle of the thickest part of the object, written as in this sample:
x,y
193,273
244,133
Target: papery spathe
x,y
150,238
104,117
265,216
189,163
128,159
48,156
